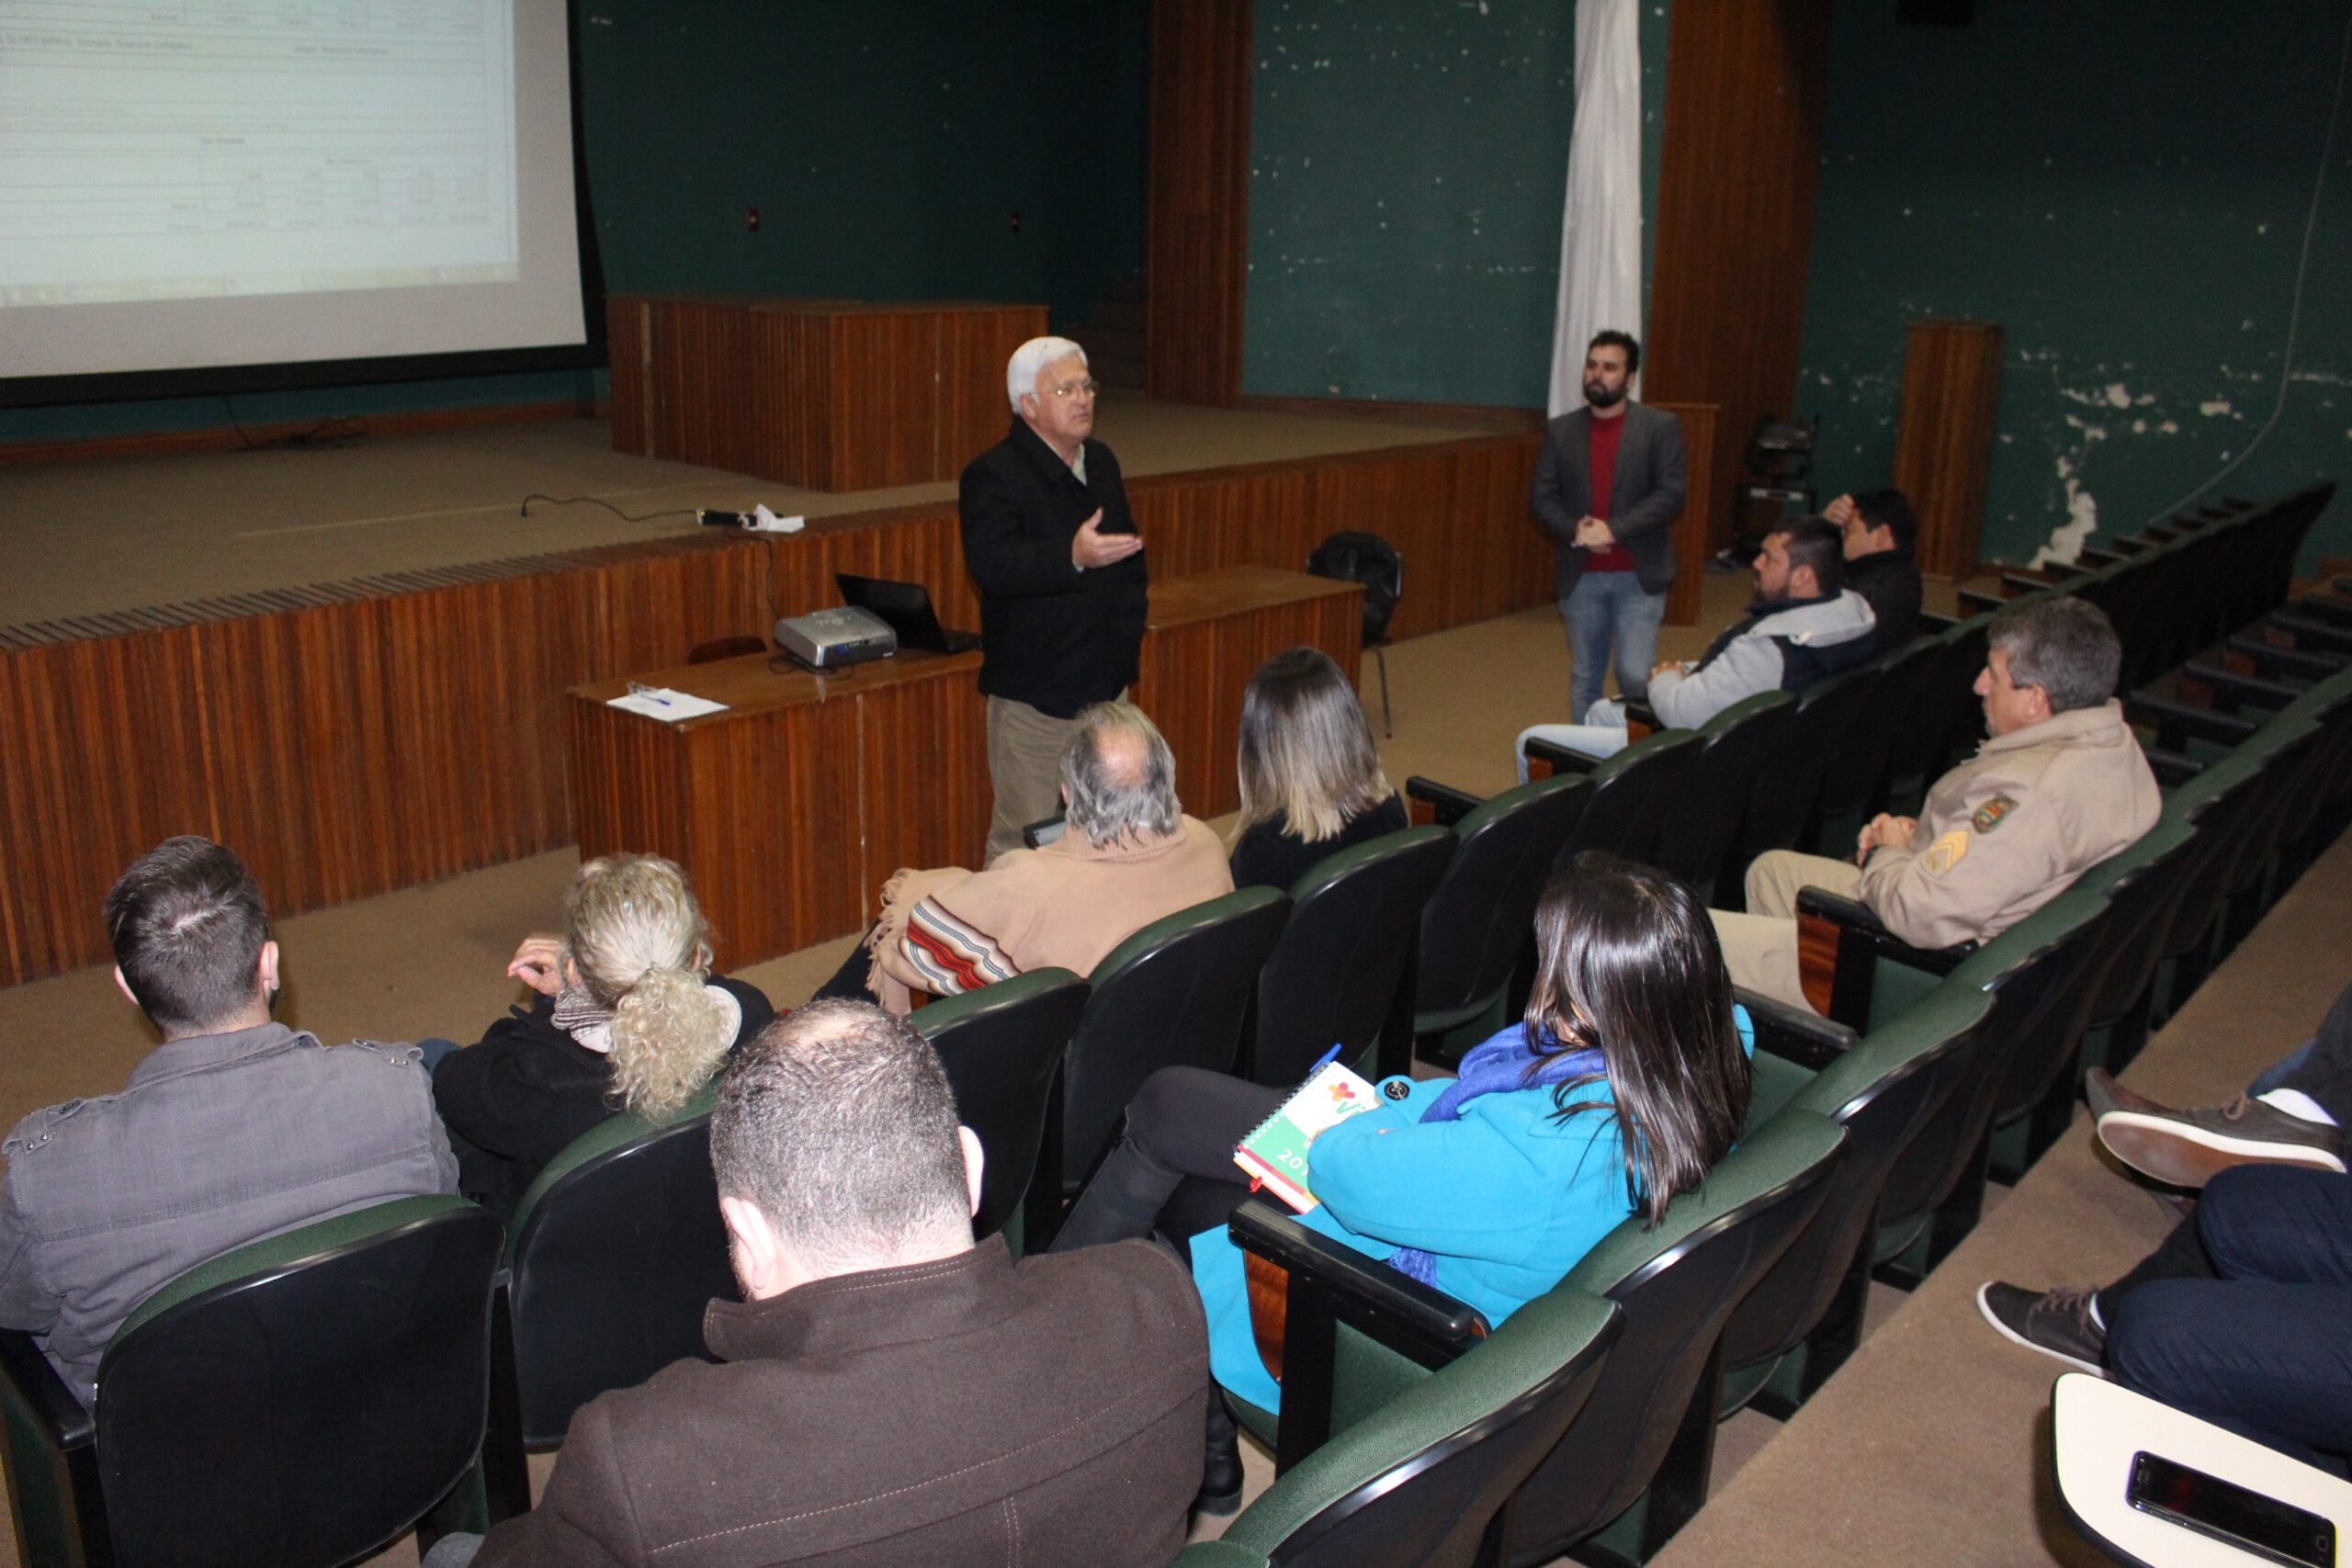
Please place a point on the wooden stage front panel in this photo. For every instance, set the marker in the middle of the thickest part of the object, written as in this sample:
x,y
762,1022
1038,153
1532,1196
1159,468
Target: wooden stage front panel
x,y
828,394
791,809
354,737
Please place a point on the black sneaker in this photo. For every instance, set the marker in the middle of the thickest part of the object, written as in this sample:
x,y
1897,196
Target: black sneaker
x,y
2056,1322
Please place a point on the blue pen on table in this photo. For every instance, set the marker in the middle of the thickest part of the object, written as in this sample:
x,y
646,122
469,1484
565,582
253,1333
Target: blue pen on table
x,y
635,690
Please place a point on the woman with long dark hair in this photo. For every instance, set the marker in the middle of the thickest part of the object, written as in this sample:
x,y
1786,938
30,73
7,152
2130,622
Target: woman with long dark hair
x,y
1625,1082
1311,783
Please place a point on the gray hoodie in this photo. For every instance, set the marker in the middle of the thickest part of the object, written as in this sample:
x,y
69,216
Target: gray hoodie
x,y
1785,646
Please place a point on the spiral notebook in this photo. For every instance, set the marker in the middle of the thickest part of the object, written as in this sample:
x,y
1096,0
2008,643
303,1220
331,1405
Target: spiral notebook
x,y
1275,1152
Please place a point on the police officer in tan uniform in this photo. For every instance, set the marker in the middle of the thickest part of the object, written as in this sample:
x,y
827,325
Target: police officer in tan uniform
x,y
2061,785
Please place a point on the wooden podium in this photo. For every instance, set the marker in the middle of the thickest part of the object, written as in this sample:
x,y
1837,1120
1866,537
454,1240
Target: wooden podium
x,y
826,394
790,808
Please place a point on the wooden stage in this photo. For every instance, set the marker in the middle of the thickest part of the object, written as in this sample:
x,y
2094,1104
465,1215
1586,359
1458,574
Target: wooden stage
x,y
354,730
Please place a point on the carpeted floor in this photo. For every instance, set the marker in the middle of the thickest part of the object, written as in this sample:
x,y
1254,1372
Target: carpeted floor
x,y
85,538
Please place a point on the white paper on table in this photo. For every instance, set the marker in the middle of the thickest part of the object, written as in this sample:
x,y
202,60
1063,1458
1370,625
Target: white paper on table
x,y
662,702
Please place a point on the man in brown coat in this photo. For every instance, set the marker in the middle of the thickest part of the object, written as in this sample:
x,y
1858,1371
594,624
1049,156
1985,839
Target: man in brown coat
x,y
889,1392
2061,785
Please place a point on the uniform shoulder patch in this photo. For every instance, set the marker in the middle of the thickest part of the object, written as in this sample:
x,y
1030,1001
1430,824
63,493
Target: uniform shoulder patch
x,y
1993,812
1947,851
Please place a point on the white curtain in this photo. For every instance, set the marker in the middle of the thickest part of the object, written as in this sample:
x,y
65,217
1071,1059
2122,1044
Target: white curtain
x,y
1600,232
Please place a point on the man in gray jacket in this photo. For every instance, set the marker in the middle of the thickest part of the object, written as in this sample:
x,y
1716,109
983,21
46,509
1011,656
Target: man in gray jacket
x,y
1804,623
233,1129
1610,480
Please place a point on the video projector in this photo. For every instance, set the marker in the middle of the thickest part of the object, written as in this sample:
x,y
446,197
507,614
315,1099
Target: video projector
x,y
835,639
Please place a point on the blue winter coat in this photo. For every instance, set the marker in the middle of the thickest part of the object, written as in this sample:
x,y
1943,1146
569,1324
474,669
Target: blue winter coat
x,y
1507,1198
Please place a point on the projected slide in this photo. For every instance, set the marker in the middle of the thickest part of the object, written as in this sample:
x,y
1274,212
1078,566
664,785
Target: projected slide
x,y
212,147
254,151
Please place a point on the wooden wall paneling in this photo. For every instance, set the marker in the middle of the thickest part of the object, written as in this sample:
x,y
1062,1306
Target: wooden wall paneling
x,y
1943,436
975,410
771,899
922,781
1738,167
77,808
626,345
1176,684
886,401
1196,224
1692,544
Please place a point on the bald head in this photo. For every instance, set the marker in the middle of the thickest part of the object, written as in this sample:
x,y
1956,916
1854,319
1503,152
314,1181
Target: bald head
x,y
1119,777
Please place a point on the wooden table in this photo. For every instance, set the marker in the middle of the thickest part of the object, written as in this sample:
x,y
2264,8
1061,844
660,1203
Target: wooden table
x,y
789,810
829,394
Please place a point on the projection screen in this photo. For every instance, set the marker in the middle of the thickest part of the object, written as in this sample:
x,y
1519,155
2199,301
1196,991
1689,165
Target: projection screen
x,y
187,183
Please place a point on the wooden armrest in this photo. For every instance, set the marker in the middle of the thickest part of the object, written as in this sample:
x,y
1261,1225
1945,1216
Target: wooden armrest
x,y
2316,636
1545,760
2098,556
1932,622
2128,547
2229,689
1840,945
2160,533
1794,1034
41,1396
1641,722
2171,768
1977,601
1427,802
1329,1284
2269,659
2176,723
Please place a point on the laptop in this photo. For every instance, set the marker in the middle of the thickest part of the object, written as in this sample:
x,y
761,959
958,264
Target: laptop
x,y
905,608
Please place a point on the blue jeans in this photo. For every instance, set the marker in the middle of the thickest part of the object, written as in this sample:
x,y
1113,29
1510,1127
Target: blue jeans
x,y
2262,1343
1608,610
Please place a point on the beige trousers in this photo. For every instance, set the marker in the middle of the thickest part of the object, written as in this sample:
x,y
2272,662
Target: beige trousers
x,y
1761,946
1025,767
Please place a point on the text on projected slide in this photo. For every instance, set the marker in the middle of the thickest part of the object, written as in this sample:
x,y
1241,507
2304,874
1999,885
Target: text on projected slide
x,y
186,149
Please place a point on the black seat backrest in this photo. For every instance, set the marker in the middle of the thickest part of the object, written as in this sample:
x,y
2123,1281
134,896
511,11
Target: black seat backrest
x,y
306,1413
1173,995
1629,795
619,1249
1482,907
1416,1483
1346,953
1679,1284
1369,559
1782,799
1001,1045
1695,834
1851,783
1881,1092
1915,754
2022,968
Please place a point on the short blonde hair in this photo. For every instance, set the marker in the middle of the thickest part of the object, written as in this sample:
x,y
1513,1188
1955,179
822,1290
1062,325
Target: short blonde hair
x,y
1307,749
637,936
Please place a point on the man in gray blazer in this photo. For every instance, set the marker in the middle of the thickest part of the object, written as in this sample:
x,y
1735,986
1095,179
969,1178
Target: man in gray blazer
x,y
233,1129
1615,554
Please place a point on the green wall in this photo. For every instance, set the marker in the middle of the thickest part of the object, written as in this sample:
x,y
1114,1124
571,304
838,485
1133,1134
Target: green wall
x,y
2123,186
1408,162
886,144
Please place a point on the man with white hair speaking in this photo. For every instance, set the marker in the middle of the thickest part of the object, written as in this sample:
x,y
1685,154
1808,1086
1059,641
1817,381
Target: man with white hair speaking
x,y
1064,590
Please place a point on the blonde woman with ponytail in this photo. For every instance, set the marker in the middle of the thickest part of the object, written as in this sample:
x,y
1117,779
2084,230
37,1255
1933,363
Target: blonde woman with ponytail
x,y
627,1017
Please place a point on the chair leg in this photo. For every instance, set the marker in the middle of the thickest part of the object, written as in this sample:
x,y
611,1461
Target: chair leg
x,y
1960,1212
1388,721
1680,1489
1839,1333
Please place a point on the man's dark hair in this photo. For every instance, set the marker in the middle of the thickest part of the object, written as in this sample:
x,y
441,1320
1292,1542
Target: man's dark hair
x,y
838,1122
1890,509
1820,546
1613,338
2066,646
187,926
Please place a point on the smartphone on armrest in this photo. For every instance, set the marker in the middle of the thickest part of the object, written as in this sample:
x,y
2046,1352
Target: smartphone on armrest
x,y
2229,1512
